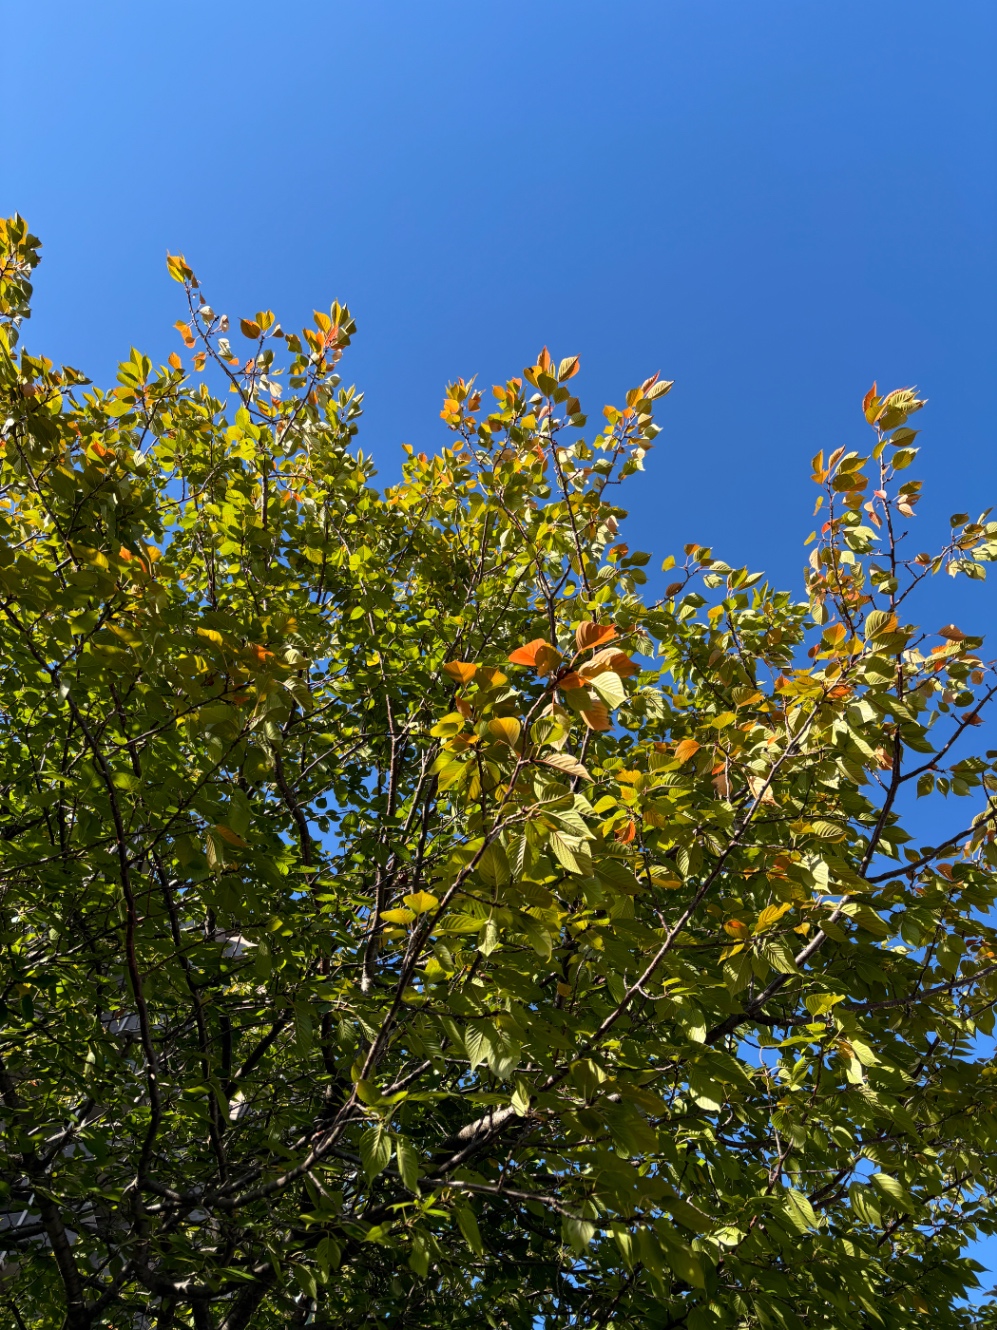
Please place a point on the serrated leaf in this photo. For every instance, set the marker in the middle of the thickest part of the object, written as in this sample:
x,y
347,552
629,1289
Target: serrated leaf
x,y
375,1150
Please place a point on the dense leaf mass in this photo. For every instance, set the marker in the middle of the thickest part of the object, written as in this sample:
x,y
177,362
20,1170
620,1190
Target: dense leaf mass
x,y
405,922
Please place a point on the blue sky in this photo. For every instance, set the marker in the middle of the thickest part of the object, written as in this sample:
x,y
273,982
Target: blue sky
x,y
771,202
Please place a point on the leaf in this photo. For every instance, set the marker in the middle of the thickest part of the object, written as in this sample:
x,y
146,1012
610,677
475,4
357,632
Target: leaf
x,y
567,369
408,1163
685,749
770,916
578,1233
596,717
895,1191
506,729
375,1150
527,655
249,328
421,902
564,762
951,632
398,916
610,688
177,267
184,329
880,622
493,866
799,1209
227,834
461,671
565,854
468,1226
590,634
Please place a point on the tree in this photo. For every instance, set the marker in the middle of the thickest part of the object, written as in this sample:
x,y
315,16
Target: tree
x,y
406,923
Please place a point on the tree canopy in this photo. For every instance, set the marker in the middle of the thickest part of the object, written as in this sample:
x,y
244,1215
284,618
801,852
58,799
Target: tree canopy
x,y
408,921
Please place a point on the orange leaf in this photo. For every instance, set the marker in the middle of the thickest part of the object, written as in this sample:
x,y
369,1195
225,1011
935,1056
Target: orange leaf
x,y
543,360
951,632
736,928
590,634
174,361
262,654
567,369
571,681
686,749
596,717
463,671
626,834
250,328
527,655
184,330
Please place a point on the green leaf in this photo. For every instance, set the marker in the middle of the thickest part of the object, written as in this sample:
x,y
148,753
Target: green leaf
x,y
375,1150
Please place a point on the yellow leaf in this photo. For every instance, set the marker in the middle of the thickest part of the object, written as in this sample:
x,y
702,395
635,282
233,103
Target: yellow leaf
x,y
177,267
420,902
250,328
761,790
398,916
506,729
462,671
771,915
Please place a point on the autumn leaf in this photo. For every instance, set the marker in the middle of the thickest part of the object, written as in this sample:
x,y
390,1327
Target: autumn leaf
x,y
590,634
761,790
685,749
609,659
421,902
596,716
506,729
527,655
461,671
185,332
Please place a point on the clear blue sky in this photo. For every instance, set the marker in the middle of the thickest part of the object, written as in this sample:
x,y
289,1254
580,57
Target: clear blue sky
x,y
771,201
